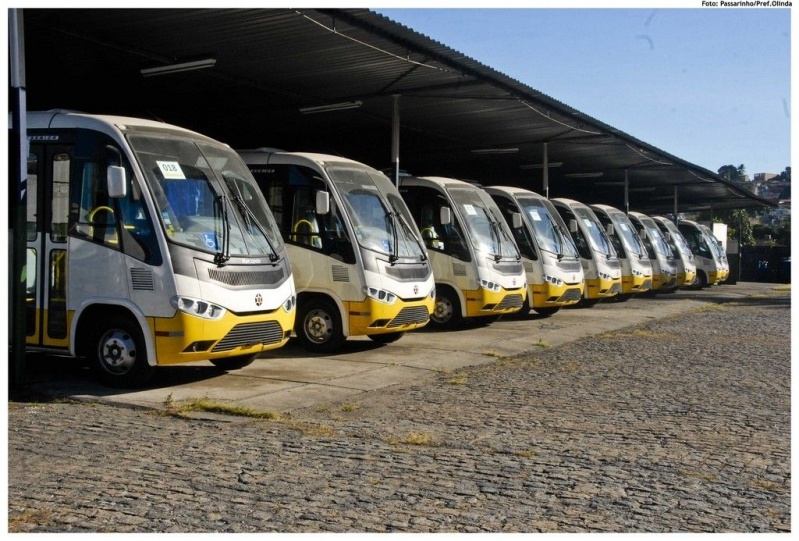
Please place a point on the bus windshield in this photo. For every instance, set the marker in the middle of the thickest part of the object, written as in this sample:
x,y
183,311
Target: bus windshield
x,y
658,241
382,222
596,235
482,219
681,244
549,235
626,231
206,196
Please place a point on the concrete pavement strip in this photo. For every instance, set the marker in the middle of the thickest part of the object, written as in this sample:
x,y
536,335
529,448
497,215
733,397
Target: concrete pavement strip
x,y
289,378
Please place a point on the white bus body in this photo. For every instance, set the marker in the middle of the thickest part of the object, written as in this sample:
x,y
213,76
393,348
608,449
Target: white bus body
x,y
148,244
636,267
554,273
718,249
597,255
707,265
359,264
687,274
476,263
664,262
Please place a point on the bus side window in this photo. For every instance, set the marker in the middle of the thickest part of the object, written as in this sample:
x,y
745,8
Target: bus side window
x,y
95,220
138,233
521,235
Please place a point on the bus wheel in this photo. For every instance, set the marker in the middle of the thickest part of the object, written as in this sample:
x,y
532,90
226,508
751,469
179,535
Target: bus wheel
x,y
588,303
119,354
546,312
447,311
386,338
318,326
701,280
234,363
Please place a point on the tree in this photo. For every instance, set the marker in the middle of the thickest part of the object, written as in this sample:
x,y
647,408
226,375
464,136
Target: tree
x,y
736,219
732,173
785,176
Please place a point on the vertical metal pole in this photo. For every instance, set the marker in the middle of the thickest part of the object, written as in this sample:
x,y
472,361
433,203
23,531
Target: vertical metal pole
x,y
17,200
626,192
395,139
676,205
546,170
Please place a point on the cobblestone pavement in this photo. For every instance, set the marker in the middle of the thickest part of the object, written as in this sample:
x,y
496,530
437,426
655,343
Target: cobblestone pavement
x,y
678,425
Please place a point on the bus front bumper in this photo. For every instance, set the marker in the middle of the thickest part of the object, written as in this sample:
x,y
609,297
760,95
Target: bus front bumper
x,y
185,338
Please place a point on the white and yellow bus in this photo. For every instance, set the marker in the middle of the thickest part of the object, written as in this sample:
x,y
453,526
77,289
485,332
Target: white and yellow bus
x,y
359,264
708,265
686,275
664,262
476,263
718,250
148,245
597,255
636,267
554,273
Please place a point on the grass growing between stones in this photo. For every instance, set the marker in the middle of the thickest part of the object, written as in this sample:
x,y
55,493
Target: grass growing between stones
x,y
413,438
186,407
211,406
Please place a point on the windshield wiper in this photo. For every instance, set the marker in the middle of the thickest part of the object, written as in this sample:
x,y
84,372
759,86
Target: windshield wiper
x,y
221,257
394,257
250,215
409,231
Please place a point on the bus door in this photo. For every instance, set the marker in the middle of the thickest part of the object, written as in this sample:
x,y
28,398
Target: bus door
x,y
47,189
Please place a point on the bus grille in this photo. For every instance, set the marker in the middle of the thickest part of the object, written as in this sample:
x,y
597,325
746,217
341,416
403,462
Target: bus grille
x,y
570,295
613,263
510,301
408,272
250,334
340,273
142,279
410,315
509,268
569,266
458,269
247,278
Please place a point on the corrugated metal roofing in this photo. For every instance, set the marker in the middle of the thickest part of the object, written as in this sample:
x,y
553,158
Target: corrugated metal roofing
x,y
272,62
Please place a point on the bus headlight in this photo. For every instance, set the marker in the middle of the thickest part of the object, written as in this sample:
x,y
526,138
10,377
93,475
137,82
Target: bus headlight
x,y
290,303
379,295
553,280
197,307
491,286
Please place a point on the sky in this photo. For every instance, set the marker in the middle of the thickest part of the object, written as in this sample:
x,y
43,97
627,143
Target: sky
x,y
708,85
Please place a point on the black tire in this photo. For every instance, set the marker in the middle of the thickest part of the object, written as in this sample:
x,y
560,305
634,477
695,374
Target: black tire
x,y
622,297
386,338
118,353
588,303
447,310
318,325
701,280
234,363
547,311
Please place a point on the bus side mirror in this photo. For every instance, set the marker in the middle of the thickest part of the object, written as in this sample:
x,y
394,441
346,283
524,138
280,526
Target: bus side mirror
x,y
117,185
667,237
642,234
516,218
322,202
609,230
572,226
445,216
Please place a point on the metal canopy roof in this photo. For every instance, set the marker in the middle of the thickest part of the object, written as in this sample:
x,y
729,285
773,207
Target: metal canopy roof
x,y
459,118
